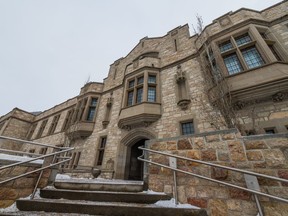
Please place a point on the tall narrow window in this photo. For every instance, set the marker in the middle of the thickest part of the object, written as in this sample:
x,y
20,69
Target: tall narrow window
x,y
139,95
92,109
31,131
82,108
54,124
187,128
151,94
68,120
101,150
41,129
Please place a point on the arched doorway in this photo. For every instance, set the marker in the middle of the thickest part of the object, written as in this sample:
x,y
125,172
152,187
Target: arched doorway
x,y
135,166
127,165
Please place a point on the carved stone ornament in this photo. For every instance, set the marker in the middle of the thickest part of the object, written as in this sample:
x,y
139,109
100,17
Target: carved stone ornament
x,y
239,105
109,102
183,104
180,75
278,97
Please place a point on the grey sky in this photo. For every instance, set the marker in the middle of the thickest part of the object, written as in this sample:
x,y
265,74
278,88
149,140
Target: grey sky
x,y
49,48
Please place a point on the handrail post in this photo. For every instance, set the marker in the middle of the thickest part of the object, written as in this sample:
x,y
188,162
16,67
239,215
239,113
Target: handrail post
x,y
173,164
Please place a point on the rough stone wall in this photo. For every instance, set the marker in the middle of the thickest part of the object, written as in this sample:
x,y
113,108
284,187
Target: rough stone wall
x,y
22,187
266,154
265,115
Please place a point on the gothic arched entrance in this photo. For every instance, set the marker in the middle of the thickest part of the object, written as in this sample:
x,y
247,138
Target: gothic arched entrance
x,y
134,166
128,167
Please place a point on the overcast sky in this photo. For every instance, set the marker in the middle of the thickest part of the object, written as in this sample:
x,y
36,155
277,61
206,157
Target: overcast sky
x,y
50,48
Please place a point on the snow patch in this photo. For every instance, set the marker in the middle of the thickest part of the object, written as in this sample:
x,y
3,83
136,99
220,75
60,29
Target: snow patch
x,y
14,158
171,204
153,192
62,176
9,209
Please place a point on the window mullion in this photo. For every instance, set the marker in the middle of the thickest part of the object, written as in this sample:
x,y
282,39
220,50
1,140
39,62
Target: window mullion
x,y
145,87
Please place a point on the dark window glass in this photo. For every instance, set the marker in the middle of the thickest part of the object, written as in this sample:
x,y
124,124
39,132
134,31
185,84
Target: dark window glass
x,y
187,128
225,46
152,79
91,113
151,94
274,52
233,64
131,84
140,80
130,98
243,39
101,151
139,95
270,130
252,57
94,102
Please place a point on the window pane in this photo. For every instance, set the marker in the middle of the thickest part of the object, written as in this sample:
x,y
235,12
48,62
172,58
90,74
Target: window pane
x,y
94,102
91,113
131,84
140,80
187,128
152,79
252,57
139,95
225,46
130,98
233,64
103,142
151,94
243,39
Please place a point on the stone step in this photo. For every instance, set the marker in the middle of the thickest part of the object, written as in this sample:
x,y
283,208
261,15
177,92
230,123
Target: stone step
x,y
96,185
102,196
105,208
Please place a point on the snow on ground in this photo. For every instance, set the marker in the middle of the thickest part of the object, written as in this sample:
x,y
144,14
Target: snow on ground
x,y
13,207
62,176
14,158
171,204
67,178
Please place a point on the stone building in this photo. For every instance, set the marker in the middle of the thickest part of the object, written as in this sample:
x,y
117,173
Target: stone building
x,y
167,87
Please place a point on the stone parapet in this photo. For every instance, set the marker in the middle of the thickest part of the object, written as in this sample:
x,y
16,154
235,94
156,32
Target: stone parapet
x,y
266,154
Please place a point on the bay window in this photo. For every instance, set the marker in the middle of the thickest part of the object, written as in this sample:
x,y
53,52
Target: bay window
x,y
141,88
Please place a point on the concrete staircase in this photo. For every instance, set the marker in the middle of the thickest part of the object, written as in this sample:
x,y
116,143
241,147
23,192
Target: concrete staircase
x,y
110,198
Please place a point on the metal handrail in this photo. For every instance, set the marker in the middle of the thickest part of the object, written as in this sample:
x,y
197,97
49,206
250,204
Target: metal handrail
x,y
59,151
30,142
217,165
255,192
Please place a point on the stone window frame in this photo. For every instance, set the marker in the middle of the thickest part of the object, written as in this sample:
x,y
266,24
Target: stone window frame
x,y
41,128
75,160
261,45
81,111
31,131
270,129
68,119
54,124
101,151
133,89
185,122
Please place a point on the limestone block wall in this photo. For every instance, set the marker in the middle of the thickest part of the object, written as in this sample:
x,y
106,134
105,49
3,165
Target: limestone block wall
x,y
265,154
265,115
22,187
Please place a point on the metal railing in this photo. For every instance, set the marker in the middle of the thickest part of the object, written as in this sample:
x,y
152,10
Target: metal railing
x,y
49,160
250,177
